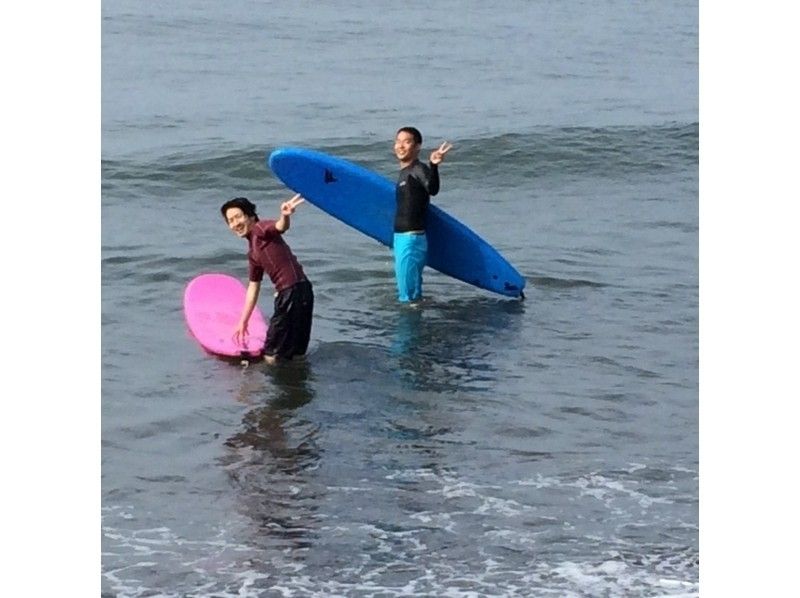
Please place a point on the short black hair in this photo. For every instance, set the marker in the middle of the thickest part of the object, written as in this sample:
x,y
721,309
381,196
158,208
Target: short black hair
x,y
413,131
244,204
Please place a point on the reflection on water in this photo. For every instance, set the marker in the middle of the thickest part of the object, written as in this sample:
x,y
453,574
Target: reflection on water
x,y
407,330
364,396
451,346
269,456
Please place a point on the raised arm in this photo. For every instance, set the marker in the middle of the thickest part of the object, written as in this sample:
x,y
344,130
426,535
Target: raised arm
x,y
287,209
437,156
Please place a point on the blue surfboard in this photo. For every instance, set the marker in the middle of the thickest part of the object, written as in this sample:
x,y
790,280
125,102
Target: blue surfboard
x,y
365,201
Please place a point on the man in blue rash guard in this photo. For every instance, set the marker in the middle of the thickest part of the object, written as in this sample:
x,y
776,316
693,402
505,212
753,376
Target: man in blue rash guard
x,y
415,185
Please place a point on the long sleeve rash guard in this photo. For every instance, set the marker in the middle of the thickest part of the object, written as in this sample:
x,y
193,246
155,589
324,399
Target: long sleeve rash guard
x,y
415,186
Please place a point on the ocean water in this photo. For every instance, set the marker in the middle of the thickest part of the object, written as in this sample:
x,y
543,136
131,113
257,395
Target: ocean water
x,y
476,446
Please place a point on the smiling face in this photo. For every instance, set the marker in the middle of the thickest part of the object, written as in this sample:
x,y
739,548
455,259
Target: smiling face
x,y
238,222
405,147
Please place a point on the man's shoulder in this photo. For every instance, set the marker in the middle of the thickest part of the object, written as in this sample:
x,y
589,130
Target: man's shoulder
x,y
419,165
415,170
263,227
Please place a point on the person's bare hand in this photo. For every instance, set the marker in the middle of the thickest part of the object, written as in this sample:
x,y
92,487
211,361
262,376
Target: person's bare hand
x,y
438,154
288,207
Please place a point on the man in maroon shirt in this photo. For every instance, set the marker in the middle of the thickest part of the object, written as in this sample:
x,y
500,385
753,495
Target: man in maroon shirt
x,y
290,325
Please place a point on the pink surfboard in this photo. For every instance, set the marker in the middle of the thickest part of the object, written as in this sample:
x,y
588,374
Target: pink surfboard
x,y
212,304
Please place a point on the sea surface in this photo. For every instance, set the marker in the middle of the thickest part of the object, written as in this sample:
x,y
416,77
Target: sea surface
x,y
476,445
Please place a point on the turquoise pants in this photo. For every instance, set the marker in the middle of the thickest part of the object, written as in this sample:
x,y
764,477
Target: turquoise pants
x,y
410,253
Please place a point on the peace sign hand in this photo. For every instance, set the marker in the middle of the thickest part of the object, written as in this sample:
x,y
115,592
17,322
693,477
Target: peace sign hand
x,y
288,207
437,155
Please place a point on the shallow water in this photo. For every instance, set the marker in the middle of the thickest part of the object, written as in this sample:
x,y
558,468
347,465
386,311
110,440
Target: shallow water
x,y
475,445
